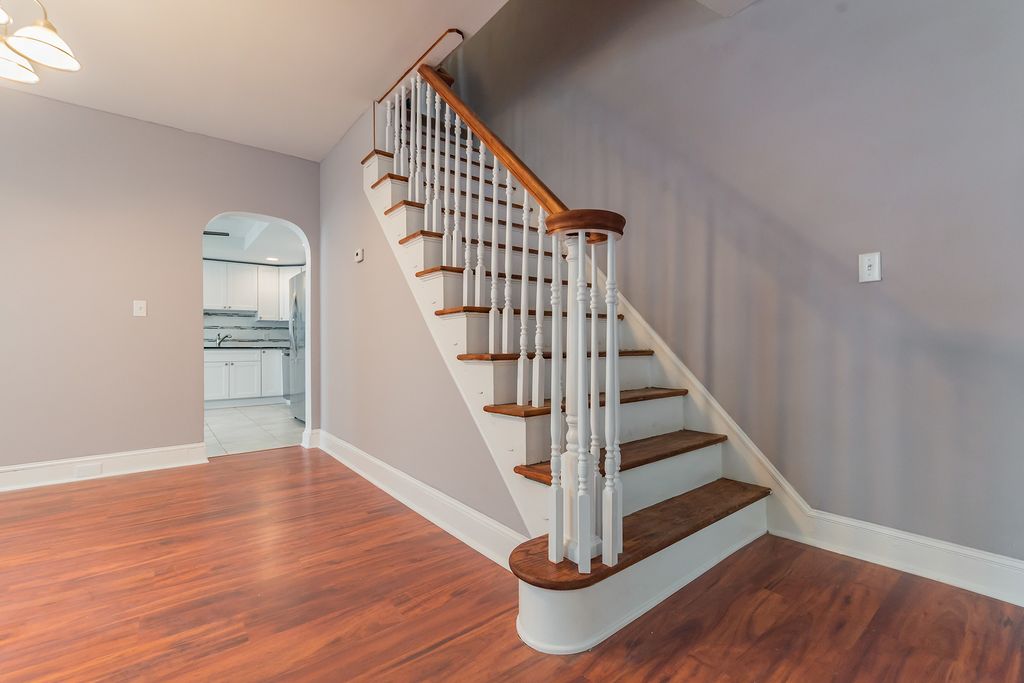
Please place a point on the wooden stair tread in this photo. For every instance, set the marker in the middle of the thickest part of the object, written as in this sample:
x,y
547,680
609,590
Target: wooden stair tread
x,y
625,396
547,354
644,533
638,453
518,311
405,179
474,241
460,269
475,217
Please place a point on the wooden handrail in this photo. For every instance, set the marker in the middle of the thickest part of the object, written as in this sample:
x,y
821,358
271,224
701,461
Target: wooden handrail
x,y
534,185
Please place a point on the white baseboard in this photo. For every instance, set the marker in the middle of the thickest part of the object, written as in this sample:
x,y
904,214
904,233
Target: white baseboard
x,y
32,474
790,516
488,537
311,438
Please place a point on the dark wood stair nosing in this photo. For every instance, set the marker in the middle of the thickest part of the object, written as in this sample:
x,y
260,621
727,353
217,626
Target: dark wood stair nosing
x,y
473,242
495,357
625,396
686,441
460,270
441,312
645,533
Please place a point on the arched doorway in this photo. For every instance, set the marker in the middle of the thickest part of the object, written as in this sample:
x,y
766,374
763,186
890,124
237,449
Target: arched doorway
x,y
256,304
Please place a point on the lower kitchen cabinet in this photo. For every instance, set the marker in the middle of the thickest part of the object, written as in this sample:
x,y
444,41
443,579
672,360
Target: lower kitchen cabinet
x,y
272,372
232,373
216,380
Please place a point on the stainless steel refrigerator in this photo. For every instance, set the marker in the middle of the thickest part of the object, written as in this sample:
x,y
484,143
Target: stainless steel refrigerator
x,y
296,360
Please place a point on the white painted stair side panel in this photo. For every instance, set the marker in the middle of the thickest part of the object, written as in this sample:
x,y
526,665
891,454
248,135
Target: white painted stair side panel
x,y
565,622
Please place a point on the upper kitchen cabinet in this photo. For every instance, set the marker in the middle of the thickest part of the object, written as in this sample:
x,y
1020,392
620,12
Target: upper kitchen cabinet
x,y
230,286
269,293
243,286
215,284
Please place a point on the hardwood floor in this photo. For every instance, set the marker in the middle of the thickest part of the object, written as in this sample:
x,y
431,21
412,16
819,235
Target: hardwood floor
x,y
284,565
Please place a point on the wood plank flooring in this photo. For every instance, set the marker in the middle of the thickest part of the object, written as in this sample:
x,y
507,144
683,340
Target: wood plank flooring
x,y
283,565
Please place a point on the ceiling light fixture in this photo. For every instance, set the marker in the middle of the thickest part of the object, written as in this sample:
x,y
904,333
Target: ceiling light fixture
x,y
5,18
273,258
13,66
40,43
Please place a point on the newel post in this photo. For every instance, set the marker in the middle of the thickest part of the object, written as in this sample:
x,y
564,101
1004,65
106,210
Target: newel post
x,y
585,534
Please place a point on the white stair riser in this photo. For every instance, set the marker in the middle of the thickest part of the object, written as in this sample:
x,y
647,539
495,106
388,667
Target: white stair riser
x,y
639,421
446,288
428,255
564,622
658,481
375,167
501,377
393,191
476,340
406,220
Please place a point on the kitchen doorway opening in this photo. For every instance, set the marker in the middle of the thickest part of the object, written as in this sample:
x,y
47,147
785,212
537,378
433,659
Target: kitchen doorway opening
x,y
256,324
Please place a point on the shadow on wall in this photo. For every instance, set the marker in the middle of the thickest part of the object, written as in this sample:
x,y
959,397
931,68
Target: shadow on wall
x,y
866,399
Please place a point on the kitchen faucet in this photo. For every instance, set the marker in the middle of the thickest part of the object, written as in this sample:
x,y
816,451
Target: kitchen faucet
x,y
222,339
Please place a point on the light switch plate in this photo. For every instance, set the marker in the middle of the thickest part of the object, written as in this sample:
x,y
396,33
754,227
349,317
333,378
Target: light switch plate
x,y
139,308
360,255
871,267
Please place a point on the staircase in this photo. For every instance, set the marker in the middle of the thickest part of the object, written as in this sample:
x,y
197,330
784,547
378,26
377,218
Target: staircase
x,y
583,417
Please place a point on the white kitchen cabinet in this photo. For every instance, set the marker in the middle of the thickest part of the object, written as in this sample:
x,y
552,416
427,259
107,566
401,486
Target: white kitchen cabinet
x,y
231,373
243,286
244,379
286,274
215,285
272,371
230,286
269,285
215,380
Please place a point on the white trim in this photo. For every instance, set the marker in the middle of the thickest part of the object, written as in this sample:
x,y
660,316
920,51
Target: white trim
x,y
32,474
311,438
488,537
566,622
790,516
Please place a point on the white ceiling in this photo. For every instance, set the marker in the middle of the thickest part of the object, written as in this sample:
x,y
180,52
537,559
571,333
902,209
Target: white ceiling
x,y
254,239
285,76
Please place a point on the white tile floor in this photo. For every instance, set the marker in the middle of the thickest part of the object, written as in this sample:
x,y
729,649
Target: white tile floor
x,y
253,428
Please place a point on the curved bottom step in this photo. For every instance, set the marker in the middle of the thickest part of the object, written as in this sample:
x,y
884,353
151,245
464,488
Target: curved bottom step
x,y
563,612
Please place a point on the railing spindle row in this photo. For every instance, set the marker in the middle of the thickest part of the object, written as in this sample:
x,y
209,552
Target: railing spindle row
x,y
424,120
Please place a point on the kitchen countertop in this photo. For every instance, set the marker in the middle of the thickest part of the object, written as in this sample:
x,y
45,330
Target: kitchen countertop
x,y
243,346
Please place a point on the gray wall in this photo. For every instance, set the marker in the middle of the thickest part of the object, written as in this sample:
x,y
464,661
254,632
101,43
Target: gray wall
x,y
754,158
386,389
97,210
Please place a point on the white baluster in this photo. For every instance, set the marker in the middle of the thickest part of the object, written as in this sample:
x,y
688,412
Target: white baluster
x,y
612,496
479,271
583,472
494,318
403,135
389,128
508,312
436,223
595,393
571,396
523,367
538,337
460,220
416,179
447,244
428,157
556,530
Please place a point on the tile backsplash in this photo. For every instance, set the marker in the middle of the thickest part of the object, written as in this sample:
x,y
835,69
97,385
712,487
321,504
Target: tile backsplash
x,y
245,331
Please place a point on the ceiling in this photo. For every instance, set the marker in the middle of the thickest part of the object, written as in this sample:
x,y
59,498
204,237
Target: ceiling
x,y
254,239
284,76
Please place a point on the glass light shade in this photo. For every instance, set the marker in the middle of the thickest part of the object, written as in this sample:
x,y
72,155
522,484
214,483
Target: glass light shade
x,y
5,18
40,43
14,67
